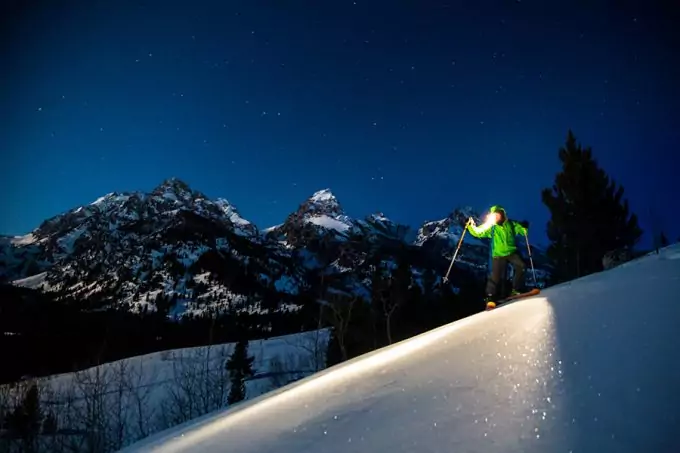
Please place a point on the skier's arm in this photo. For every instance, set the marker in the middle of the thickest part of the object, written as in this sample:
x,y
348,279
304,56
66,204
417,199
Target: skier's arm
x,y
521,228
482,231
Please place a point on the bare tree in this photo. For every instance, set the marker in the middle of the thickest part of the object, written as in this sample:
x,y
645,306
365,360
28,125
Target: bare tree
x,y
92,386
394,294
140,391
340,307
199,384
119,403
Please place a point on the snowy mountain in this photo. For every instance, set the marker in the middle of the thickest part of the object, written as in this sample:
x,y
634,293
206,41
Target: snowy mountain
x,y
128,248
586,366
320,214
177,249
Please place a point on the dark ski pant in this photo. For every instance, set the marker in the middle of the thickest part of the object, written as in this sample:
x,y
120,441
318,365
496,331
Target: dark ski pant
x,y
499,266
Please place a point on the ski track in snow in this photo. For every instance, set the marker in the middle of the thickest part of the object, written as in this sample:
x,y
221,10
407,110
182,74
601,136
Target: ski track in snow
x,y
587,366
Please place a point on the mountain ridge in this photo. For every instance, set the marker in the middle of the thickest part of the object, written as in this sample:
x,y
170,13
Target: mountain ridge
x,y
175,247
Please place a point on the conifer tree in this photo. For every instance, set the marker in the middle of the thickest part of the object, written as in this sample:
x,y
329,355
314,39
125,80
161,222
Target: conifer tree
x,y
239,367
25,421
589,216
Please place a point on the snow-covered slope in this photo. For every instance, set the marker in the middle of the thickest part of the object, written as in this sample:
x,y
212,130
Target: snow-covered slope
x,y
131,398
587,366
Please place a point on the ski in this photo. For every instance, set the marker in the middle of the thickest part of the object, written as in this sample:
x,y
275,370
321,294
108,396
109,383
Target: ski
x,y
492,305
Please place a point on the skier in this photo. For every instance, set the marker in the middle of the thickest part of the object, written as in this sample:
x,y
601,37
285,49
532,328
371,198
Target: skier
x,y
502,231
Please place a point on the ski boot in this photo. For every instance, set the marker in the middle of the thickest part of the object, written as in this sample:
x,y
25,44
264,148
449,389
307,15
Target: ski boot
x,y
490,304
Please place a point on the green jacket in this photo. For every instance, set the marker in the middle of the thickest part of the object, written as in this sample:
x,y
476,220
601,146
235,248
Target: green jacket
x,y
503,242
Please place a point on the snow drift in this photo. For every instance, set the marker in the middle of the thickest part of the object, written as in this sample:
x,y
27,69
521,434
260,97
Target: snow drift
x,y
587,366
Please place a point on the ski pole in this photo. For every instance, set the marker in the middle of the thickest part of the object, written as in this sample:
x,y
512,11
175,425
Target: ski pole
x,y
460,241
531,260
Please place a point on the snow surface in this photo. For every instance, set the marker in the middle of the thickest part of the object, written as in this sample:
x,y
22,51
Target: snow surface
x,y
26,239
272,228
231,212
34,281
587,366
322,195
328,223
103,199
153,388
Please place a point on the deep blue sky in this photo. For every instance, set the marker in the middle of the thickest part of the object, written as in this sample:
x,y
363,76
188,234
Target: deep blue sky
x,y
409,108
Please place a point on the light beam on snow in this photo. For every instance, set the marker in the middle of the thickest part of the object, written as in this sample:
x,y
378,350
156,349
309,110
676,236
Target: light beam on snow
x,y
360,365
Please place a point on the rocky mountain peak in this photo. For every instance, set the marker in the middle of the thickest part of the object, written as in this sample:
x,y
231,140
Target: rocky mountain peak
x,y
322,202
448,228
240,224
176,188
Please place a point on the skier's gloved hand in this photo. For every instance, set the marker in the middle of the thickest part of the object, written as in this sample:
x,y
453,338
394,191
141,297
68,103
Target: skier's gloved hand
x,y
524,223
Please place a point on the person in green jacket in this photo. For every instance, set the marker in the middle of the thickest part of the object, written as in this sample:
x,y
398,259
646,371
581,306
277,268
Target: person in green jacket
x,y
502,231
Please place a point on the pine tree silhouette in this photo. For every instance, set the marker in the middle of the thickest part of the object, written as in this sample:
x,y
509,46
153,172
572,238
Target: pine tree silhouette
x,y
239,367
588,214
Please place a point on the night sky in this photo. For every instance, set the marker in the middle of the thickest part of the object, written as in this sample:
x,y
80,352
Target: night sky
x,y
409,108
